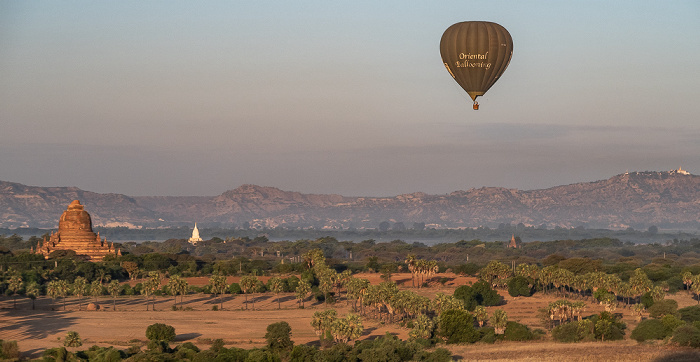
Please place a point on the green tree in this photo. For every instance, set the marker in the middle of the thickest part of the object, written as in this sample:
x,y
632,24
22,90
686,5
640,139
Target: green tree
x,y
499,320
302,292
114,289
80,288
160,332
481,315
322,322
63,289
248,286
33,292
96,289
457,326
72,340
279,337
277,287
218,285
14,286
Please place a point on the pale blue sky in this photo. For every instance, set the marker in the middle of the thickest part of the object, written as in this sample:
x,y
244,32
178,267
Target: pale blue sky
x,y
192,98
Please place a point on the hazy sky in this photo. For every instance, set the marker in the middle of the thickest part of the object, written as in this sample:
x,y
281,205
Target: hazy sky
x,y
346,97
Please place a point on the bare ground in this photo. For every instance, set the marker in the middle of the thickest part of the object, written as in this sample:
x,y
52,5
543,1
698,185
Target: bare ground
x,y
43,328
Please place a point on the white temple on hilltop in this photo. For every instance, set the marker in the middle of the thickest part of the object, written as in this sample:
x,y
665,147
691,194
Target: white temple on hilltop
x,y
680,171
195,236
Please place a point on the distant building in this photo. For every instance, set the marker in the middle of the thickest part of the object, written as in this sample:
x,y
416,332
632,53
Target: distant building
x,y
680,171
514,242
195,236
75,233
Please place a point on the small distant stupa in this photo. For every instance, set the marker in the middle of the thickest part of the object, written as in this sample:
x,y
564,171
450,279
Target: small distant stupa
x,y
195,236
514,242
75,233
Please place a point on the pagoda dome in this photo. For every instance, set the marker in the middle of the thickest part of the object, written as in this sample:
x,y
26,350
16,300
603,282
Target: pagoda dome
x,y
75,218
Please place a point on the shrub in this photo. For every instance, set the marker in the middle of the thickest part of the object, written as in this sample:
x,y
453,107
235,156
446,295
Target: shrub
x,y
663,307
72,340
608,327
690,314
457,326
235,288
519,286
574,331
160,332
517,332
650,329
279,336
687,335
302,353
8,350
480,293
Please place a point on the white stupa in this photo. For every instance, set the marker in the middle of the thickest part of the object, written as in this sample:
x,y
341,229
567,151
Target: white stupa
x,y
195,236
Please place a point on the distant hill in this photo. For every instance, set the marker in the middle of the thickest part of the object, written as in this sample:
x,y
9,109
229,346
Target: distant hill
x,y
637,199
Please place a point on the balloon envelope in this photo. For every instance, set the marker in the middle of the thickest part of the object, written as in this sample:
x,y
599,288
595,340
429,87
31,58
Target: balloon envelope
x,y
476,53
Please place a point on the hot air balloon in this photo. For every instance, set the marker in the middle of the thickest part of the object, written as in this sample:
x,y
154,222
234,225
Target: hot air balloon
x,y
476,53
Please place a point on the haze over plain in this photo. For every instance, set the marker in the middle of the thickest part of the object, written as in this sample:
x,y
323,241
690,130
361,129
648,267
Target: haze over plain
x,y
178,98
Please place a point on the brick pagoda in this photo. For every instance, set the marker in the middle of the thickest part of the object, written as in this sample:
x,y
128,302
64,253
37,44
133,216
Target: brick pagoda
x,y
75,233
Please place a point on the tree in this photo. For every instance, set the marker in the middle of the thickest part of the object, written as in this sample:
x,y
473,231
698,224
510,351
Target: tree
x,y
177,285
72,340
14,286
248,285
303,290
346,329
218,285
519,286
80,288
423,328
279,336
322,321
499,320
114,288
150,287
33,292
96,289
52,289
131,268
481,315
457,326
63,289
276,286
160,332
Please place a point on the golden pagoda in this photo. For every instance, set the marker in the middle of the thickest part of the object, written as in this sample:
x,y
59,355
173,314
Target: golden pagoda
x,y
75,233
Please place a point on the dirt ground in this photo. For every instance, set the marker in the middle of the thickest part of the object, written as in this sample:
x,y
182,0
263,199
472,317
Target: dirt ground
x,y
42,328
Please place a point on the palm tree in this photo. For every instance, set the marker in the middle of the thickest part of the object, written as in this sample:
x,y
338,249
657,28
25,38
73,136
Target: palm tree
x,y
114,288
481,315
52,289
411,264
14,286
302,291
151,286
80,288
63,289
499,320
248,284
33,292
276,286
95,289
217,284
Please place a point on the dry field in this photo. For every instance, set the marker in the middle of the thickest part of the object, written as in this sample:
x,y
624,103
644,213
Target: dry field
x,y
42,328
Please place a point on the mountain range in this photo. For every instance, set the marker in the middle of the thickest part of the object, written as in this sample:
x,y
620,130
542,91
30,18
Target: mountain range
x,y
634,199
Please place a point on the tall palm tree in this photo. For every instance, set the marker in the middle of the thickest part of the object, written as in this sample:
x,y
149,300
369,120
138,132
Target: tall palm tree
x,y
52,290
276,286
14,286
33,292
248,285
80,288
95,289
63,289
302,291
217,284
114,288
